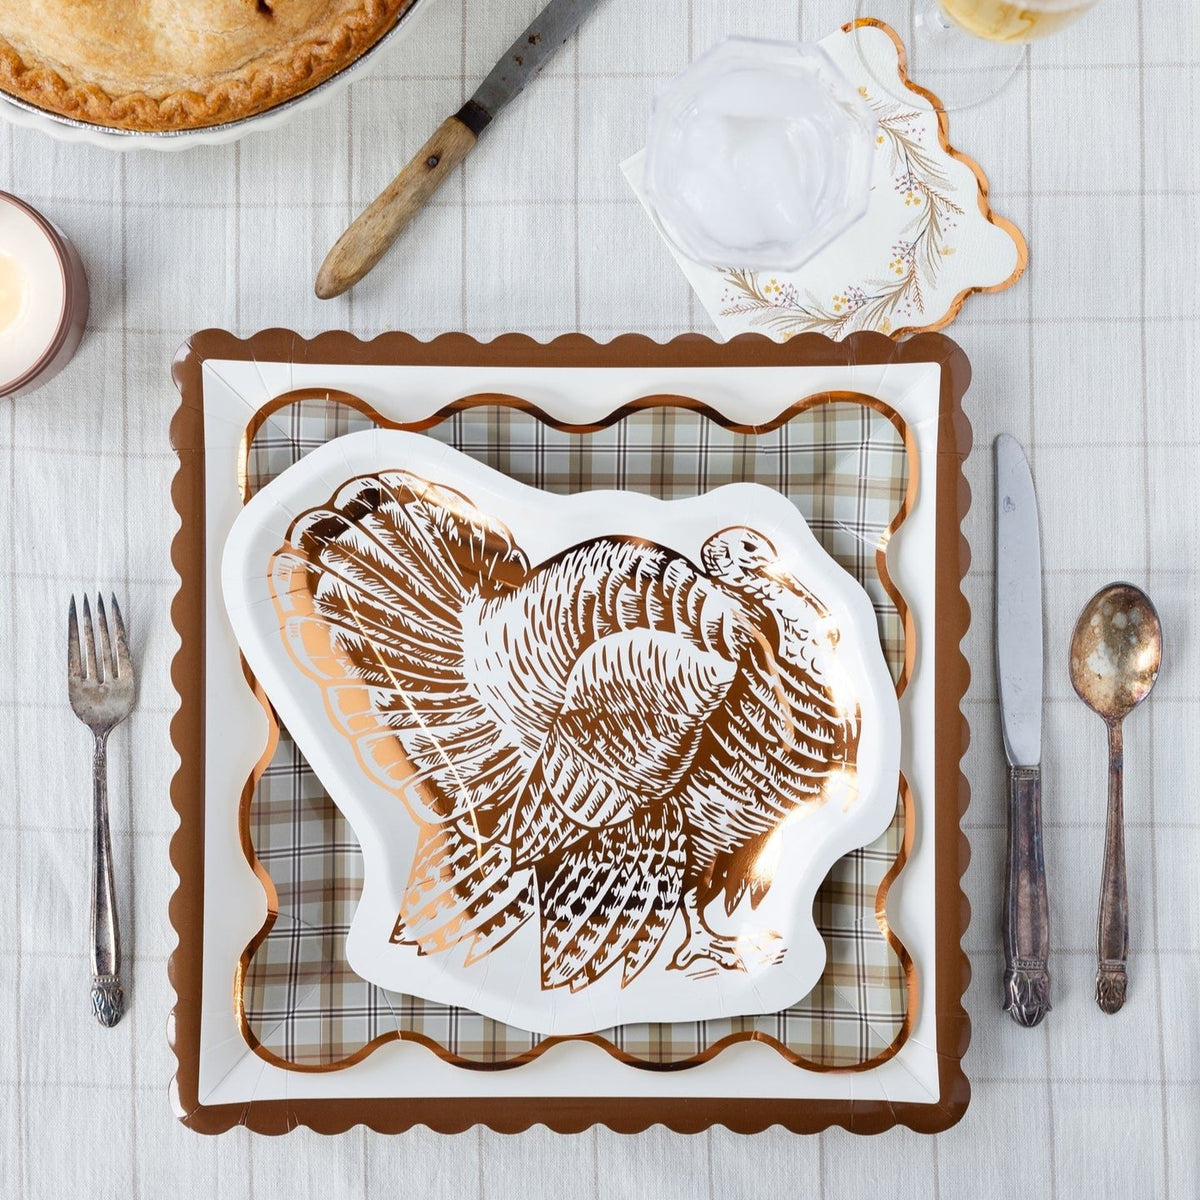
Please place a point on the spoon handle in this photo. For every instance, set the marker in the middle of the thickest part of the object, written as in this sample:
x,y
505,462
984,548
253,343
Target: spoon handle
x,y
1113,938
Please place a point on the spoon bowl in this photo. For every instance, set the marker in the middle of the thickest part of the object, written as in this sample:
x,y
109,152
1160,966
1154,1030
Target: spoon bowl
x,y
1116,651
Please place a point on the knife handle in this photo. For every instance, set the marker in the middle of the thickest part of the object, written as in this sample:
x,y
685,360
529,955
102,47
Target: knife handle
x,y
374,230
1026,904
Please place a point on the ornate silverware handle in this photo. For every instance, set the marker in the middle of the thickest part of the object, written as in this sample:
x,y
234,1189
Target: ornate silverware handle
x,y
1113,932
1026,904
108,1000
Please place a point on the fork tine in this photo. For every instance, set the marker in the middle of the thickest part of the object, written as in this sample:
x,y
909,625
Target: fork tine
x,y
108,662
74,666
89,644
124,662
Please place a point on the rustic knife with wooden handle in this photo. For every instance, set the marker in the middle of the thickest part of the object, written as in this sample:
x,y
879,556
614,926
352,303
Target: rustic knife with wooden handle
x,y
381,223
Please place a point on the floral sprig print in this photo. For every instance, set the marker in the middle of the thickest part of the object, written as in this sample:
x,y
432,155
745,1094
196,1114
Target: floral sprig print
x,y
897,294
924,184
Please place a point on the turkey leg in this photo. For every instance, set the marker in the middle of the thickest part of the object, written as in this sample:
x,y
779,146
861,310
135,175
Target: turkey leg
x,y
726,951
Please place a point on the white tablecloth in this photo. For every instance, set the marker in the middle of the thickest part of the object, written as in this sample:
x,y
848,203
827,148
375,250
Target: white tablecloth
x,y
1092,360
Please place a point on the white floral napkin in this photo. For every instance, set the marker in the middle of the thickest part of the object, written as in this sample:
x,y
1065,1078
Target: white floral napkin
x,y
927,241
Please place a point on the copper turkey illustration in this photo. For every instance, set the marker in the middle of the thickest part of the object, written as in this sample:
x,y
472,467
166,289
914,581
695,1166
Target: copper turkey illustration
x,y
599,749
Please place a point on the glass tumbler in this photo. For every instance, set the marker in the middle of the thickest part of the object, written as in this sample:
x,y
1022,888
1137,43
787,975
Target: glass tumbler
x,y
758,155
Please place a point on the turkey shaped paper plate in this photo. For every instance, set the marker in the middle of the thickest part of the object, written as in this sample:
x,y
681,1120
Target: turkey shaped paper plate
x,y
599,750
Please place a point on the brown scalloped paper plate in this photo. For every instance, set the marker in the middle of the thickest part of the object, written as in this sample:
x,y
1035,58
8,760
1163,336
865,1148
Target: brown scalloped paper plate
x,y
201,363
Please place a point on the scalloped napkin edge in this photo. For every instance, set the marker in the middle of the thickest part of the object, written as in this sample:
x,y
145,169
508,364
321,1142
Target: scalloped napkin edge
x,y
928,239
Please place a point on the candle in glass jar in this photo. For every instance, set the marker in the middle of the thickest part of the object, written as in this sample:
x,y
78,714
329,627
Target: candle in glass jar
x,y
43,298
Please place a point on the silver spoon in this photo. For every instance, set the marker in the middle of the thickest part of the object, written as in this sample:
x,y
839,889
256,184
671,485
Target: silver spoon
x,y
1116,650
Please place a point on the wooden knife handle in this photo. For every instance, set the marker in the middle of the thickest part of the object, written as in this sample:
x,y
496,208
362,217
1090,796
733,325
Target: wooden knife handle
x,y
381,223
1026,904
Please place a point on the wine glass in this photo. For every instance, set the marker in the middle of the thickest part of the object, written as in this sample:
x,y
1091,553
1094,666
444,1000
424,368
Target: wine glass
x,y
965,51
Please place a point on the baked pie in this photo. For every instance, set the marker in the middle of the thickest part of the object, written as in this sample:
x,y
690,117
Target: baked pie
x,y
158,65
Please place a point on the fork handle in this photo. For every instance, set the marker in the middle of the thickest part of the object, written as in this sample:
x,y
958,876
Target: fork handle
x,y
108,1000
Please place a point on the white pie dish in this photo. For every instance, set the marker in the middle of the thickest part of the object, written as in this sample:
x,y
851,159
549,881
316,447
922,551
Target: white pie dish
x,y
28,115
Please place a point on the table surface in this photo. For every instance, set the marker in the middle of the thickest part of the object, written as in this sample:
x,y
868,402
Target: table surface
x,y
1091,361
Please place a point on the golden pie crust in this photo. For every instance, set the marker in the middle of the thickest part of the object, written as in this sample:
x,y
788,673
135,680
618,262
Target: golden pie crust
x,y
155,65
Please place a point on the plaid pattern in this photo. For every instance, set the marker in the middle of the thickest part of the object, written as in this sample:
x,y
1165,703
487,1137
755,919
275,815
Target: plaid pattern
x,y
844,466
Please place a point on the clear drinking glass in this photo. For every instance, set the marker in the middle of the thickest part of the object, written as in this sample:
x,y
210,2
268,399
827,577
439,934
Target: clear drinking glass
x,y
758,155
965,51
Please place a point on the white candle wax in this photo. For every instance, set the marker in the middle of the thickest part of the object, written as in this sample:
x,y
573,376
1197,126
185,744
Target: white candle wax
x,y
32,293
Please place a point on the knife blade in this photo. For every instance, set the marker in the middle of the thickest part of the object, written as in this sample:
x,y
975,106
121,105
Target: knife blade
x,y
523,60
1018,605
374,230
1019,682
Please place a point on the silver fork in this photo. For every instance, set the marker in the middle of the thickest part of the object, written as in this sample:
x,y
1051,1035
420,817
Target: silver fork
x,y
101,689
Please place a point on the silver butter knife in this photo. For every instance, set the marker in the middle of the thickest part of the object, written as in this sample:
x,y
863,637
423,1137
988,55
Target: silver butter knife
x,y
378,226
1019,671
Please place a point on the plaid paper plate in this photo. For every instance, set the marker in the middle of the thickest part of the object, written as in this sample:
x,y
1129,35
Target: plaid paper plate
x,y
844,463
